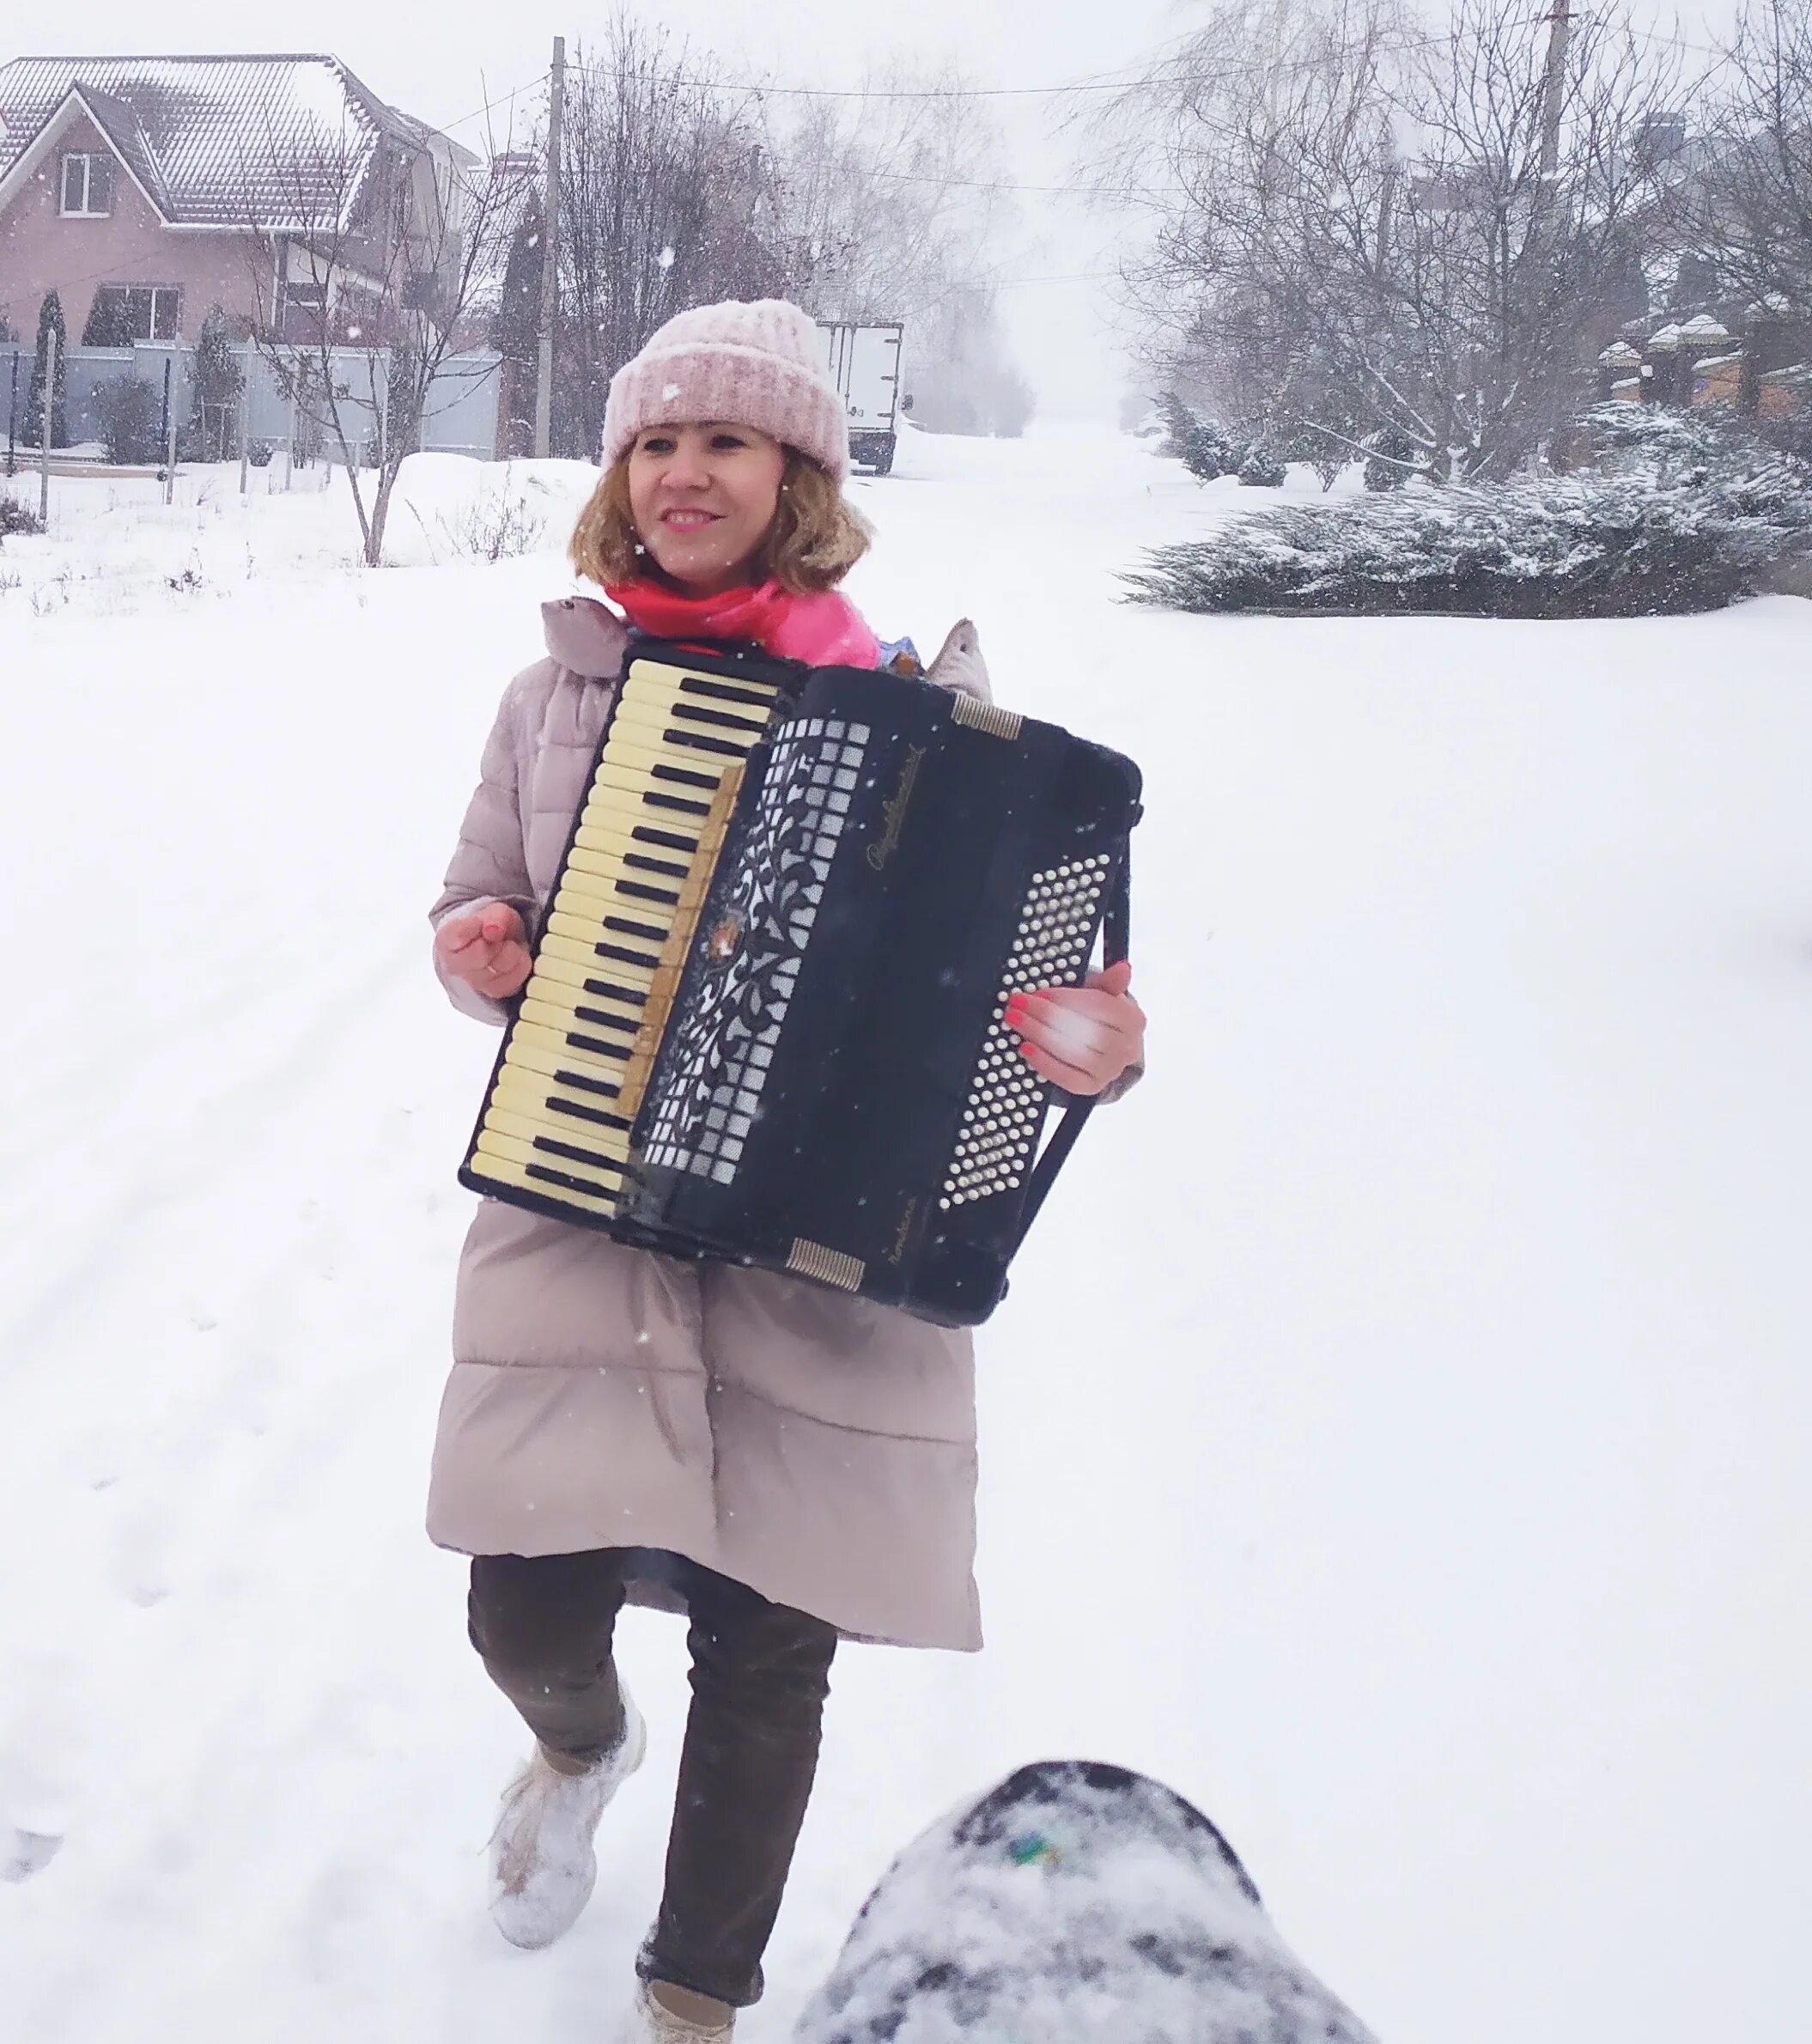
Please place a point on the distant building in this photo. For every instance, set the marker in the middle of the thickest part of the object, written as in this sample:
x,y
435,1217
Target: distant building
x,y
144,189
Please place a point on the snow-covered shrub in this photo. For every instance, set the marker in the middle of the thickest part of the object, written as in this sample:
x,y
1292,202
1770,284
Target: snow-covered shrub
x,y
1391,459
131,411
1328,458
1202,445
1693,520
1302,442
497,526
1659,432
1263,467
16,517
1791,434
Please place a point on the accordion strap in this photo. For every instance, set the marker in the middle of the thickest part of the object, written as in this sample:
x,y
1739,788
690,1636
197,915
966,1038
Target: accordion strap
x,y
1115,935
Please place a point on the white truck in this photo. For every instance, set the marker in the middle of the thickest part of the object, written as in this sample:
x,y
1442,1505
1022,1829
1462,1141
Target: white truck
x,y
865,365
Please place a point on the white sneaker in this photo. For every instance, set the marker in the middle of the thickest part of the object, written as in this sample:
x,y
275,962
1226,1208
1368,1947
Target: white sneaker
x,y
651,2023
542,1864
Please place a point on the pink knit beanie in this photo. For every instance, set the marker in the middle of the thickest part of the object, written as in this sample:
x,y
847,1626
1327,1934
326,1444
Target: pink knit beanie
x,y
759,365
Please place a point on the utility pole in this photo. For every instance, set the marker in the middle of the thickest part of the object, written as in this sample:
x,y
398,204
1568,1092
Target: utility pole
x,y
550,253
1554,86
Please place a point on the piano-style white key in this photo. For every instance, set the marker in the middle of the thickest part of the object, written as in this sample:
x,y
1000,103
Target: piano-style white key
x,y
605,1013
631,883
604,1052
583,934
529,1052
532,1095
508,1171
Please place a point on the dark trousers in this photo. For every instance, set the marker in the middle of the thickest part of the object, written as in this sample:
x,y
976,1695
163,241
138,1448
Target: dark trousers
x,y
544,1626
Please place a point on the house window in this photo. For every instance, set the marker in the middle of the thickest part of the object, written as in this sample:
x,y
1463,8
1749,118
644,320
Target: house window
x,y
87,187
123,313
303,304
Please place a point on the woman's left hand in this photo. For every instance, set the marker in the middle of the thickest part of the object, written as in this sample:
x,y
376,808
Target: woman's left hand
x,y
1081,1039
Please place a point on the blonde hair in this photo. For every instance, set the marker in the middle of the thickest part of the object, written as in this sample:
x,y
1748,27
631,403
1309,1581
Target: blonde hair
x,y
815,539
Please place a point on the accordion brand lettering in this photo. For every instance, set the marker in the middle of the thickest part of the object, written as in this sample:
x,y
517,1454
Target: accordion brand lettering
x,y
896,1255
888,843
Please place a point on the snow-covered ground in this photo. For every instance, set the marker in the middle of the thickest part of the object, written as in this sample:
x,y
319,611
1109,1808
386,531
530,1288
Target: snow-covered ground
x,y
1396,1438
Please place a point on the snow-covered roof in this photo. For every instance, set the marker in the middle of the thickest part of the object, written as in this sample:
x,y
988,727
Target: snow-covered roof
x,y
1665,336
1704,327
1618,354
214,139
1717,361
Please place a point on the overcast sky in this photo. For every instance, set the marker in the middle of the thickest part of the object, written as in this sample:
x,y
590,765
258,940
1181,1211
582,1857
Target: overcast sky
x,y
435,63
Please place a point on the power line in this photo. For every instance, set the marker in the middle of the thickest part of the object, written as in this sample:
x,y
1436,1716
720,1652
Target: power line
x,y
515,92
1095,83
1099,82
916,177
864,92
1075,277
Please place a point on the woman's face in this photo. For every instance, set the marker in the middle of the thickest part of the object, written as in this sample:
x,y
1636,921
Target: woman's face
x,y
702,498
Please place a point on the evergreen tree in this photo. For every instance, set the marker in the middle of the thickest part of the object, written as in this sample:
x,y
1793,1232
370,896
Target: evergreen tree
x,y
1262,467
10,459
50,320
218,383
1201,445
1389,453
108,324
516,327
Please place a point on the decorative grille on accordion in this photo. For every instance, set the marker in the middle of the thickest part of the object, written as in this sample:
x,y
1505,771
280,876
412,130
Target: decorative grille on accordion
x,y
1001,1118
708,1102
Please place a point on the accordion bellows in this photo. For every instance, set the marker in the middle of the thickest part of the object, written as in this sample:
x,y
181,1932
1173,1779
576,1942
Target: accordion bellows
x,y
765,1020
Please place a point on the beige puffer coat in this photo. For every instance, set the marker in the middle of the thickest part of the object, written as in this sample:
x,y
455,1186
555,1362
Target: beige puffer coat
x,y
816,1447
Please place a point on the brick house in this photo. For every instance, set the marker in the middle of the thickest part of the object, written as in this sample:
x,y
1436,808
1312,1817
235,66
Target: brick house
x,y
144,189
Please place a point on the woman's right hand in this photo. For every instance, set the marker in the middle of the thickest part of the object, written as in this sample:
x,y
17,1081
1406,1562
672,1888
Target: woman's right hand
x,y
487,949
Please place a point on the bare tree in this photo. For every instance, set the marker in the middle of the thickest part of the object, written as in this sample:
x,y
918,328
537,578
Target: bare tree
x,y
1749,207
1362,229
661,204
891,203
891,196
387,254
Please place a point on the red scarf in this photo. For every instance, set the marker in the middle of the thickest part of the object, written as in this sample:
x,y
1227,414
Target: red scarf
x,y
822,628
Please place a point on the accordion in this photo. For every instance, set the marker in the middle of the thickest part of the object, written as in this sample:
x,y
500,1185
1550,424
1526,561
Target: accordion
x,y
765,1020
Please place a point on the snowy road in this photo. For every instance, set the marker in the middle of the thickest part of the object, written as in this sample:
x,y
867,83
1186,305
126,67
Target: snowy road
x,y
1396,1440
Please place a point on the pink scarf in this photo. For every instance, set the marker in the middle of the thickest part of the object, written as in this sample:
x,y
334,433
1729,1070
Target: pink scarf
x,y
822,628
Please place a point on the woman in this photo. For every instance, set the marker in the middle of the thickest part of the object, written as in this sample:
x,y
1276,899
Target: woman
x,y
789,1464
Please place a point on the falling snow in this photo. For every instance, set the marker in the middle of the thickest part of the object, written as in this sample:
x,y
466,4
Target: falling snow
x,y
1394,1439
